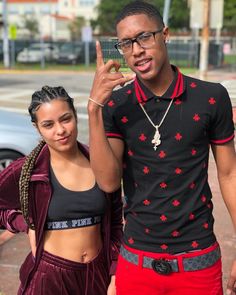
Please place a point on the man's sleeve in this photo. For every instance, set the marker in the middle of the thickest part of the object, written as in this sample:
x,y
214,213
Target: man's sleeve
x,y
111,128
221,125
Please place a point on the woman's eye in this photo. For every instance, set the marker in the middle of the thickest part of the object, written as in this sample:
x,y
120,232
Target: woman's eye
x,y
47,126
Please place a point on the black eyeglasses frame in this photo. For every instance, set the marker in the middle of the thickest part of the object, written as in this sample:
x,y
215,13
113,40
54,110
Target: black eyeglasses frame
x,y
135,39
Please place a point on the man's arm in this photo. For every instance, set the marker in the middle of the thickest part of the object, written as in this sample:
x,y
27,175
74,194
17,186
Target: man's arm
x,y
226,168
105,156
225,158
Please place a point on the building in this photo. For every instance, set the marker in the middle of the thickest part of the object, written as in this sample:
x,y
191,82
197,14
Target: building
x,y
53,16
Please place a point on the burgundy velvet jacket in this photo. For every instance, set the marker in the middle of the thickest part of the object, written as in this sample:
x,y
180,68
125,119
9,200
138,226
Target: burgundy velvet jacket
x,y
40,193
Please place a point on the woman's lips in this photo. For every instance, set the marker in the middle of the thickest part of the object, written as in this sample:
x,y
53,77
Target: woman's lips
x,y
64,140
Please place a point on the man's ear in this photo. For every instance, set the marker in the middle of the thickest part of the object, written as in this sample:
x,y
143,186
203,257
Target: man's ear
x,y
166,34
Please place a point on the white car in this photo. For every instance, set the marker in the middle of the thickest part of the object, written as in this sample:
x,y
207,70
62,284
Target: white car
x,y
17,137
36,51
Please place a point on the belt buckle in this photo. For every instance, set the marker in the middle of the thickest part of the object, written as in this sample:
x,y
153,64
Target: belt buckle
x,y
161,266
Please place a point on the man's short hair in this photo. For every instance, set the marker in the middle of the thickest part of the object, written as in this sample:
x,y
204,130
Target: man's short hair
x,y
140,7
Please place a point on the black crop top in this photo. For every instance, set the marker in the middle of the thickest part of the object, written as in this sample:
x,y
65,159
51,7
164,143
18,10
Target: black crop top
x,y
70,209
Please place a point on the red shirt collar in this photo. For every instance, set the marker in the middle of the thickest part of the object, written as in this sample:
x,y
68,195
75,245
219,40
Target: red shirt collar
x,y
175,89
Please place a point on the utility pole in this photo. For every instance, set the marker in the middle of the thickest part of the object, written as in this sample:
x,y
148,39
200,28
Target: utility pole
x,y
6,59
203,67
166,12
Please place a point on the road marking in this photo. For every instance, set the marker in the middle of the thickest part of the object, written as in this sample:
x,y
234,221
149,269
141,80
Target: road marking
x,y
14,94
17,100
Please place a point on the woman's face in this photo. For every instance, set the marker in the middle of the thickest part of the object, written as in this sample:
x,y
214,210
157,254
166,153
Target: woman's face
x,y
57,125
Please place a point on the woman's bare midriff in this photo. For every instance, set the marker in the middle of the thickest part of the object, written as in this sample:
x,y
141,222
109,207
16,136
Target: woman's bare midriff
x,y
77,244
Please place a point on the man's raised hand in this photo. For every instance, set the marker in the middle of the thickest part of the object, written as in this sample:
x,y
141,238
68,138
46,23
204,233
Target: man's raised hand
x,y
105,80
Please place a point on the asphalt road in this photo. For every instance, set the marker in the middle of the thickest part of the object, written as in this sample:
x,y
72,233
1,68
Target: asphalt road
x,y
73,82
16,91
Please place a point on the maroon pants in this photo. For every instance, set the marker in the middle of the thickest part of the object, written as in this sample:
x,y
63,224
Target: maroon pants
x,y
59,276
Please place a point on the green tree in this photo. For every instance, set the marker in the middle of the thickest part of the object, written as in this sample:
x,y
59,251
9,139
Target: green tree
x,y
75,27
179,15
31,25
230,15
108,9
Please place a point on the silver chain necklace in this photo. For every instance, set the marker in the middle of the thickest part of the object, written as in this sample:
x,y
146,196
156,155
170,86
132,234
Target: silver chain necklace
x,y
156,141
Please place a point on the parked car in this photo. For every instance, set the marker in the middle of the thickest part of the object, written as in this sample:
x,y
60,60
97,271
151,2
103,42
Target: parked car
x,y
74,53
19,45
17,137
34,52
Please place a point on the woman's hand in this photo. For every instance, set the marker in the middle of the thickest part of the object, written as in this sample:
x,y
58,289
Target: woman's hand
x,y
112,287
32,240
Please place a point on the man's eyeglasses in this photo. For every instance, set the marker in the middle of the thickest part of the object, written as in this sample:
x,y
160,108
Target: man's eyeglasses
x,y
145,40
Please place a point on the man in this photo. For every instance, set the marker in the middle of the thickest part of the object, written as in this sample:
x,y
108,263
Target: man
x,y
155,133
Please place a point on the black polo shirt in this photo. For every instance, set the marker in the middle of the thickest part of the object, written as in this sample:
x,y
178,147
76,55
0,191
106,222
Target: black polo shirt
x,y
168,199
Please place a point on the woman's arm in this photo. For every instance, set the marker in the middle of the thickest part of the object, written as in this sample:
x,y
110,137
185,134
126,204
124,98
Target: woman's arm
x,y
13,221
11,217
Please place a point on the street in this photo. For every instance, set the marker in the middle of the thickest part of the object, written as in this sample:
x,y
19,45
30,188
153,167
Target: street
x,y
16,91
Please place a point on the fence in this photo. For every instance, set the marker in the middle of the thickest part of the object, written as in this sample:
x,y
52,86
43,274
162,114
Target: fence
x,y
181,52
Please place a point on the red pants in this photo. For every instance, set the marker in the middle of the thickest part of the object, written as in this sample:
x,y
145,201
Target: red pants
x,y
134,279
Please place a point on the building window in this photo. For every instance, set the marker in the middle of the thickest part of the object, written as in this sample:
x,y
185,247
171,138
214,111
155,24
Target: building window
x,y
29,9
86,2
13,10
45,9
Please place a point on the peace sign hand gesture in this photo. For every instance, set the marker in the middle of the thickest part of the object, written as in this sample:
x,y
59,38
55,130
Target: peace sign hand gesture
x,y
104,80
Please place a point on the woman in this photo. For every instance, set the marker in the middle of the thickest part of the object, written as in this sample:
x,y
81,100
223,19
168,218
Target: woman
x,y
52,194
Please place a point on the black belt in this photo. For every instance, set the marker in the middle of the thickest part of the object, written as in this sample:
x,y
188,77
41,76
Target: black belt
x,y
166,266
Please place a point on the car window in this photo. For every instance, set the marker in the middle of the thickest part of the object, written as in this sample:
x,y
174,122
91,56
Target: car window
x,y
35,47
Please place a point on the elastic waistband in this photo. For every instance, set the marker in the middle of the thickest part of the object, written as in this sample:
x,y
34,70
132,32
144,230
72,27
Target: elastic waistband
x,y
73,223
69,264
167,263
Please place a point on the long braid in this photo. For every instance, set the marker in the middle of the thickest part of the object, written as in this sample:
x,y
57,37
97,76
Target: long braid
x,y
46,95
26,171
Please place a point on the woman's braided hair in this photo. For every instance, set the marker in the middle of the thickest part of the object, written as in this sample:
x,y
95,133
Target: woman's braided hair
x,y
26,170
47,94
